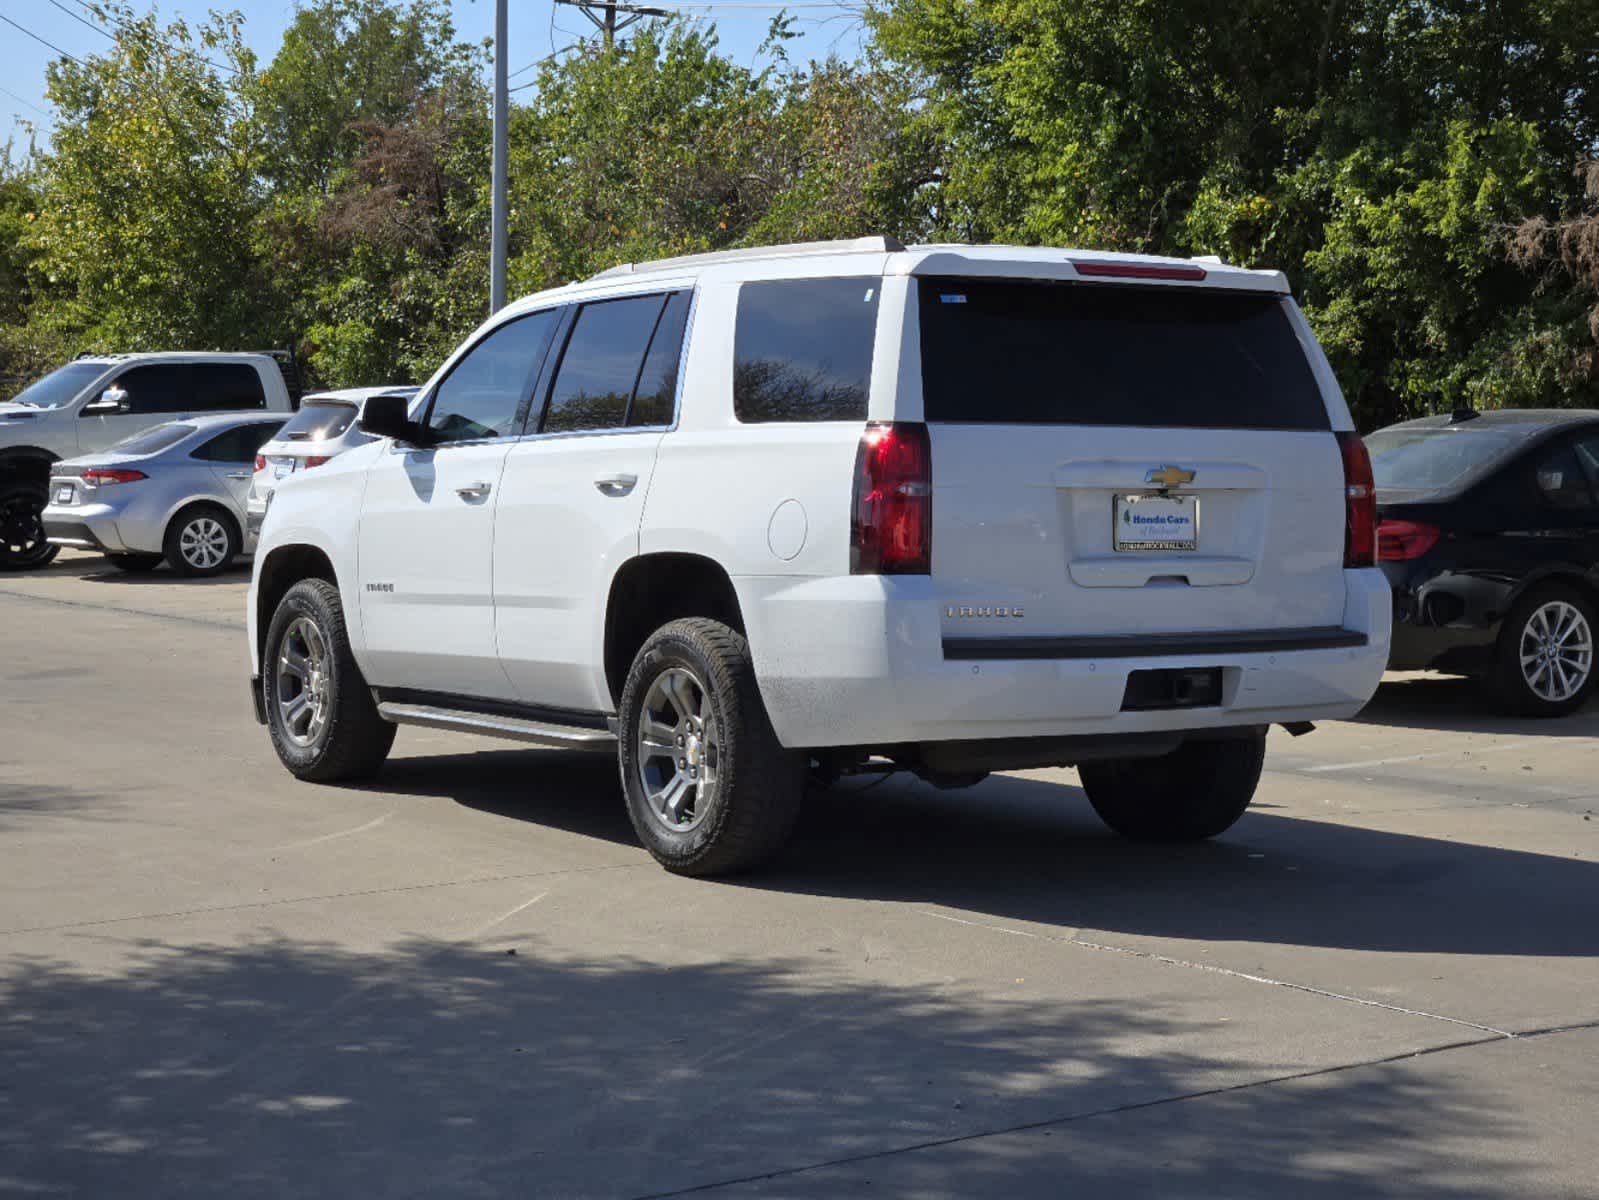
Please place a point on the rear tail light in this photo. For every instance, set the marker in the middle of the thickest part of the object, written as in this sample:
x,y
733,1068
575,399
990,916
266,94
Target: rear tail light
x,y
260,462
891,528
1401,541
1133,270
1360,502
316,460
104,476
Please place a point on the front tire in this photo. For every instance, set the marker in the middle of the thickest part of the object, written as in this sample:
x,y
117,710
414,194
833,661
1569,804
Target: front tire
x,y
709,788
324,723
1544,662
22,544
1197,791
202,540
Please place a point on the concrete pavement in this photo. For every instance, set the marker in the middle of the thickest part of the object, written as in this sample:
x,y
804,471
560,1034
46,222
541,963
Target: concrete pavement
x,y
467,979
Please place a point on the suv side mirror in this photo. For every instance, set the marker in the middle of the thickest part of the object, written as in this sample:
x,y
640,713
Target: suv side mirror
x,y
112,400
389,416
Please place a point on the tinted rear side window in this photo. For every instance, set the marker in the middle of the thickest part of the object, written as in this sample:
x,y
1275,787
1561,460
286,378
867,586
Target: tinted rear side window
x,y
802,349
318,420
237,445
225,387
1037,353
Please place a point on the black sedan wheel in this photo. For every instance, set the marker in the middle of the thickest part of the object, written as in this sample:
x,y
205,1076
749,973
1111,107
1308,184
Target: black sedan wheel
x,y
1545,653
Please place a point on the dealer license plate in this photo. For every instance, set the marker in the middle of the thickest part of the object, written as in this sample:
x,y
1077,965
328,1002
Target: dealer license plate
x,y
285,466
64,494
1156,522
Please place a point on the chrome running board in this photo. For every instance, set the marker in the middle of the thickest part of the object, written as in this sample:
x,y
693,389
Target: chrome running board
x,y
535,733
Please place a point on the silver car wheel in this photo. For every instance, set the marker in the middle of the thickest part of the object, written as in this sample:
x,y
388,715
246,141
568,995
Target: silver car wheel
x,y
678,752
1556,651
304,690
203,543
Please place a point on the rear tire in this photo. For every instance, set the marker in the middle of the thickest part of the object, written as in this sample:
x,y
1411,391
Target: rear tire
x,y
1197,791
22,544
202,540
709,788
1554,625
134,562
324,723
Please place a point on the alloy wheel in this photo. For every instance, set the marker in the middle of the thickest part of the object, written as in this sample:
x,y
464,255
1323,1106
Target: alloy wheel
x,y
678,751
1556,651
304,689
203,543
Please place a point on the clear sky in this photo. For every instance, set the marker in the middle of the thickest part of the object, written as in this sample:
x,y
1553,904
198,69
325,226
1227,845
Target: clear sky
x,y
536,28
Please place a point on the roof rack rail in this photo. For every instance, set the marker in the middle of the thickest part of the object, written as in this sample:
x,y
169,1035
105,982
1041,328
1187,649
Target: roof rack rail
x,y
880,244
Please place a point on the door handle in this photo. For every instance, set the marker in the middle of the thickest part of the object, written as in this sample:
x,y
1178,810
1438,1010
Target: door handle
x,y
616,485
471,491
239,474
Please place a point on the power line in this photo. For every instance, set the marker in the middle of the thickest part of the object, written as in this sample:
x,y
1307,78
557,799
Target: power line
x,y
40,40
100,29
540,62
27,103
121,24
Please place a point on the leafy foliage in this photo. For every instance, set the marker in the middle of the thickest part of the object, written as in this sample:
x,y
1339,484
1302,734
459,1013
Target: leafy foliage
x,y
1421,171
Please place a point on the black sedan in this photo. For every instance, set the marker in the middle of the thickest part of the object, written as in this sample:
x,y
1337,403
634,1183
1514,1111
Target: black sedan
x,y
1488,530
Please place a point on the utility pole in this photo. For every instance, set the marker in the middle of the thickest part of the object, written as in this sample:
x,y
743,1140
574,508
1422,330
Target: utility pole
x,y
603,14
497,235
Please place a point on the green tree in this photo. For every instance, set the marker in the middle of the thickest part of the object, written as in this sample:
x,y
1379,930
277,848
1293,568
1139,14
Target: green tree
x,y
1375,150
150,189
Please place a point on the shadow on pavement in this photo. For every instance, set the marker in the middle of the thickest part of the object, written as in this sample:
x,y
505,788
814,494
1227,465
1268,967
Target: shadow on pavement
x,y
1027,849
1458,705
427,1069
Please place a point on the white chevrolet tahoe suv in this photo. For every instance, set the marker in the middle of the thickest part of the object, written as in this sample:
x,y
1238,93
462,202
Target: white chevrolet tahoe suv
x,y
96,401
753,517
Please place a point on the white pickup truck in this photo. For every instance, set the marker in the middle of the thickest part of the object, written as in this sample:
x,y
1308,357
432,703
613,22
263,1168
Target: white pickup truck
x,y
752,517
96,401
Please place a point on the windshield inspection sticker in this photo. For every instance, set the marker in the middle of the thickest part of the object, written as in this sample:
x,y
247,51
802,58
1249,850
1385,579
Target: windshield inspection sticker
x,y
1156,522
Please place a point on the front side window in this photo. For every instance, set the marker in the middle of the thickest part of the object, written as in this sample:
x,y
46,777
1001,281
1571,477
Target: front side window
x,y
601,365
237,445
484,393
159,388
802,349
225,387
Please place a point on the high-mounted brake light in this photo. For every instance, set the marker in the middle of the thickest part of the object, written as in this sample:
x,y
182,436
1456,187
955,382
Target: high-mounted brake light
x,y
1127,270
1360,502
104,476
891,526
1401,541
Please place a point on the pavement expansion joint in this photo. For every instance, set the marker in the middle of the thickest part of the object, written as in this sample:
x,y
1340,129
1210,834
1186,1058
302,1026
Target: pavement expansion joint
x,y
1248,977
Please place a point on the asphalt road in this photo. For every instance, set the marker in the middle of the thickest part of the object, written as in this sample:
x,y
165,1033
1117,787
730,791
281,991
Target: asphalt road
x,y
468,980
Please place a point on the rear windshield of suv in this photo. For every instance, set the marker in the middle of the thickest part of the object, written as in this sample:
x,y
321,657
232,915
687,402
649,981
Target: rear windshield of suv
x,y
318,420
1025,352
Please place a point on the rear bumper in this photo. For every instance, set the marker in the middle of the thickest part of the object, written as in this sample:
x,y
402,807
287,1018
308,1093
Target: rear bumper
x,y
861,661
83,527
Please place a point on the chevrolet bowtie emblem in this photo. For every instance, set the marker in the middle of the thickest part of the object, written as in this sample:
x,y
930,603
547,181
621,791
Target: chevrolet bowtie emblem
x,y
1169,477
